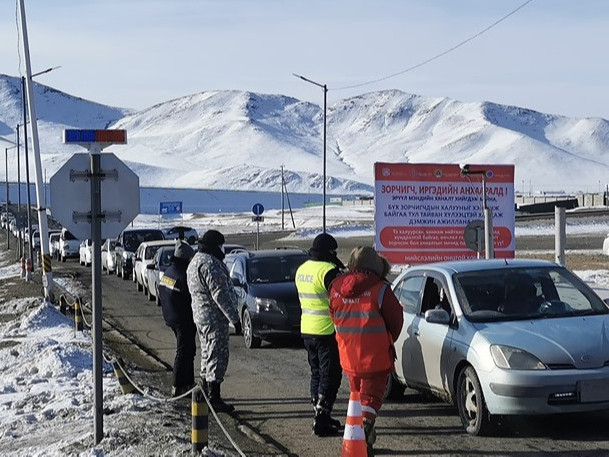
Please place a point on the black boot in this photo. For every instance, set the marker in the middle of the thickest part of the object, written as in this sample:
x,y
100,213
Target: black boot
x,y
370,433
324,425
216,401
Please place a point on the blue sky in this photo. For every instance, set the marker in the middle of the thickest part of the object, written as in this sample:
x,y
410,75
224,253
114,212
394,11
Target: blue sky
x,y
550,56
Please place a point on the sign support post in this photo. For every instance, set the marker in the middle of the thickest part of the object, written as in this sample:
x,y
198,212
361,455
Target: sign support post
x,y
258,209
97,295
87,221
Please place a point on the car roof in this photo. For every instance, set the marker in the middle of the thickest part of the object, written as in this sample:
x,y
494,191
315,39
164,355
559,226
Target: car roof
x,y
136,230
265,253
158,243
462,266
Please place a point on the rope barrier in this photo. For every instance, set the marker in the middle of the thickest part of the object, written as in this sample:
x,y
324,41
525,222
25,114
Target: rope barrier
x,y
127,385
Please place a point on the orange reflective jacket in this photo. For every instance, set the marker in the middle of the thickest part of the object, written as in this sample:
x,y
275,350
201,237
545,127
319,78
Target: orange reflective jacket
x,y
363,340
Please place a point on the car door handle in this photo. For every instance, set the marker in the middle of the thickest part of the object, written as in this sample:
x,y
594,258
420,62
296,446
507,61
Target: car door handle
x,y
416,333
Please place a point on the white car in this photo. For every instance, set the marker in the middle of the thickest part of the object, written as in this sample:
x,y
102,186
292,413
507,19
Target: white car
x,y
69,245
187,234
85,252
143,257
108,261
606,245
502,337
54,244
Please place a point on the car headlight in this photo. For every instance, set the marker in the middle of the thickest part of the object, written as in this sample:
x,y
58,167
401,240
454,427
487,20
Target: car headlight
x,y
266,304
511,358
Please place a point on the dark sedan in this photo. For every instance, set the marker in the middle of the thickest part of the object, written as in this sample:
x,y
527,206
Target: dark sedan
x,y
268,299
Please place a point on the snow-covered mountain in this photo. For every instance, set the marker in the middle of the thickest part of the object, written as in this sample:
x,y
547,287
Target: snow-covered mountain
x,y
239,140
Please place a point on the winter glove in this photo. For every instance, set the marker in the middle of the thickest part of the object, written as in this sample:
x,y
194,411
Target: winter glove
x,y
238,329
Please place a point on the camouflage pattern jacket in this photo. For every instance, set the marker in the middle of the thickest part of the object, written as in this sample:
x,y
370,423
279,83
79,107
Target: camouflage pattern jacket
x,y
213,296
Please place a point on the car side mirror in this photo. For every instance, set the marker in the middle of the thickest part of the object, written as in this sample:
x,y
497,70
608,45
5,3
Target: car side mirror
x,y
437,316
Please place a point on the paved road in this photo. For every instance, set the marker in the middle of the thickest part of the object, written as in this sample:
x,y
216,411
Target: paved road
x,y
269,388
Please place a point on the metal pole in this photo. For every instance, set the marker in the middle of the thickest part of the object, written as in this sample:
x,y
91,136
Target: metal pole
x,y
27,180
97,296
47,273
282,184
18,218
257,234
560,235
325,88
489,247
8,231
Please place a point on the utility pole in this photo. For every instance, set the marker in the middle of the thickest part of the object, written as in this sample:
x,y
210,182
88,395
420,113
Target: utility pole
x,y
27,180
18,218
47,273
282,218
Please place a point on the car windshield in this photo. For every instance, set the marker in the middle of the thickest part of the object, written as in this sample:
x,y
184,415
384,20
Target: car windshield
x,y
274,269
525,293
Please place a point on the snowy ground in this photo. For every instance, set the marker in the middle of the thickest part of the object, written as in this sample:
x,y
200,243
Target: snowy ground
x,y
46,388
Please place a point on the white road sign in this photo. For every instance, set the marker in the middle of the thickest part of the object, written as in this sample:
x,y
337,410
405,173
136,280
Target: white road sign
x,y
71,195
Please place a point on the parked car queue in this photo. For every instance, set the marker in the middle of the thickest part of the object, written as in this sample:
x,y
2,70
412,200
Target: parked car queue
x,y
493,337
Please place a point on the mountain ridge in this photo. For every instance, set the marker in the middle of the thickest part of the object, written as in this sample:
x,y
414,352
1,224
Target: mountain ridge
x,y
239,140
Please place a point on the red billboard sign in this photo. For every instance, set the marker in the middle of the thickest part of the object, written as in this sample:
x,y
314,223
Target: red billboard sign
x,y
422,210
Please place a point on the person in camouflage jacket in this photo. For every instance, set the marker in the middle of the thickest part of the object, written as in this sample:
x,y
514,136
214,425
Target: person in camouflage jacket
x,y
214,305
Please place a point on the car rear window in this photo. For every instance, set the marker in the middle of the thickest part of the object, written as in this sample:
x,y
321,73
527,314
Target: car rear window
x,y
274,269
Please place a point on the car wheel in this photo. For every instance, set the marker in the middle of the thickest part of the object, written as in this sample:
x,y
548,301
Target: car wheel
x,y
63,258
140,287
191,239
158,299
394,389
251,341
124,274
149,294
471,405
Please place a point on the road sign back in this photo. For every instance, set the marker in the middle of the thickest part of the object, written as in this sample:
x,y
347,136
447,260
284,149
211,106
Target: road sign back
x,y
71,195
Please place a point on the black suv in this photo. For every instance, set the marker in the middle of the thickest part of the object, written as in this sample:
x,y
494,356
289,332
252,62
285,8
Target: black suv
x,y
268,299
127,243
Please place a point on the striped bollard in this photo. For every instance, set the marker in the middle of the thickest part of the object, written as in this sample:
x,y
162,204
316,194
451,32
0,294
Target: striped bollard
x,y
200,421
124,383
77,316
28,269
63,305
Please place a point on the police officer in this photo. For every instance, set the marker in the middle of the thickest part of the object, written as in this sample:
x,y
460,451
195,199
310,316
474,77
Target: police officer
x,y
214,305
313,280
177,312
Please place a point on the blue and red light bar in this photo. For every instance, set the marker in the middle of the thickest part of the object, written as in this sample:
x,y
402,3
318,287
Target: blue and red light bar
x,y
95,136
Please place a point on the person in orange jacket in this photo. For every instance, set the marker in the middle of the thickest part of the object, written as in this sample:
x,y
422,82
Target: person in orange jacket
x,y
368,319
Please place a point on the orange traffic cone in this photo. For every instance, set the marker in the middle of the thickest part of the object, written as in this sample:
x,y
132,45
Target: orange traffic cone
x,y
354,438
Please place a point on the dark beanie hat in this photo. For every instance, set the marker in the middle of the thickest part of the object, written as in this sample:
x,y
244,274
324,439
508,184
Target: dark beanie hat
x,y
212,238
183,251
324,242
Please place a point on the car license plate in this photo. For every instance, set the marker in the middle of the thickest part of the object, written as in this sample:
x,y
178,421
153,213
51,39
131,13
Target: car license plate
x,y
594,391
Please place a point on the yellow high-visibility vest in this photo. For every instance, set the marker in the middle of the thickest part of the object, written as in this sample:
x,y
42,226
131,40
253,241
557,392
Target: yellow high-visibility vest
x,y
314,299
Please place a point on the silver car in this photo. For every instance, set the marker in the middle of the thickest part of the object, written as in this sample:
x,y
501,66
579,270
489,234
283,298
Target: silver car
x,y
502,337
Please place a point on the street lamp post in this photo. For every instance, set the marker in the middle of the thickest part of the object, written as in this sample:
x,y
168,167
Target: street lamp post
x,y
324,87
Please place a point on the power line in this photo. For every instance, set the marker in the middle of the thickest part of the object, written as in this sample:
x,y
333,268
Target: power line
x,y
437,56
